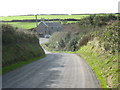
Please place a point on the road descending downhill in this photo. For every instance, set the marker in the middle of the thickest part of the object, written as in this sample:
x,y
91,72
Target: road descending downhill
x,y
56,70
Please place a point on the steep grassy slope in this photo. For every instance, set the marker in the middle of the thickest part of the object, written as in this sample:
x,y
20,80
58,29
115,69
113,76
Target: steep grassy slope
x,y
103,64
18,46
101,52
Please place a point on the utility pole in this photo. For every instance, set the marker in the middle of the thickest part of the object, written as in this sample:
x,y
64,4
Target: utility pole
x,y
36,27
36,20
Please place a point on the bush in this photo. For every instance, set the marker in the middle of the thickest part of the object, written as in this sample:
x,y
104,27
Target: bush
x,y
97,20
110,38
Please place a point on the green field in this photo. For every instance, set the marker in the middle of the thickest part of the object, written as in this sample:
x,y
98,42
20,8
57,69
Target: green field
x,y
29,25
9,18
24,25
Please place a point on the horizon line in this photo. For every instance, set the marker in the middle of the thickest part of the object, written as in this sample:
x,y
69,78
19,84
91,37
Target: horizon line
x,y
57,14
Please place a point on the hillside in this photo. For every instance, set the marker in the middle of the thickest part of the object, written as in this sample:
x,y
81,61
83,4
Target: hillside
x,y
18,47
101,52
76,35
96,40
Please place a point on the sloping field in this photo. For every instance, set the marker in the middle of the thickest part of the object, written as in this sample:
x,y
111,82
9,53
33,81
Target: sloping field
x,y
29,25
9,18
24,25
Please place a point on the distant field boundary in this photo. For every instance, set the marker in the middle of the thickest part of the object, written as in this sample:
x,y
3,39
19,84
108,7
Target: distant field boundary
x,y
33,20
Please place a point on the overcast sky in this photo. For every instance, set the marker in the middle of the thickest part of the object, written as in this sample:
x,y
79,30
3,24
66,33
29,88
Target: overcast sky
x,y
23,7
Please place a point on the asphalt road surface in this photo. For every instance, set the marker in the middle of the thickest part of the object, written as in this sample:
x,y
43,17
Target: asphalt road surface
x,y
56,70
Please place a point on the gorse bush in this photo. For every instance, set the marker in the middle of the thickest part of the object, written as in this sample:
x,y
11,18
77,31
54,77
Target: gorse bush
x,y
97,20
101,52
12,34
108,37
18,45
67,41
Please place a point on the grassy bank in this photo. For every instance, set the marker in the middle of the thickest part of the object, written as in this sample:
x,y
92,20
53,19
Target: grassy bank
x,y
19,47
105,66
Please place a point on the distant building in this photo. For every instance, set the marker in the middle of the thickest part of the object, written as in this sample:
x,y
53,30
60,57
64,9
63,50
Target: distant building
x,y
48,28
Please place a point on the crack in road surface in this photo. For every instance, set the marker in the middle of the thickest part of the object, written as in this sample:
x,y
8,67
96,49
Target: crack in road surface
x,y
56,70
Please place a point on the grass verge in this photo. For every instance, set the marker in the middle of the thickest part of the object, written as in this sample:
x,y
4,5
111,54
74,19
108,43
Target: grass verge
x,y
105,67
19,64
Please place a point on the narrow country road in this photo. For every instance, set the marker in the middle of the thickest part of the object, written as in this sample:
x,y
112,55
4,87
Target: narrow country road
x,y
56,70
